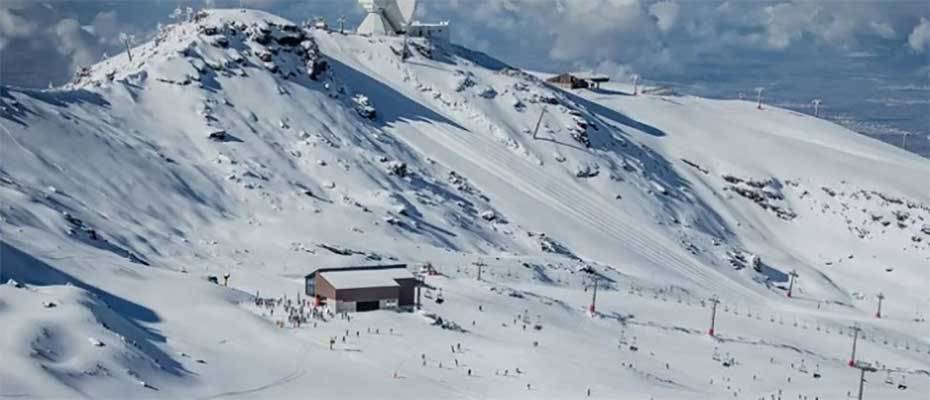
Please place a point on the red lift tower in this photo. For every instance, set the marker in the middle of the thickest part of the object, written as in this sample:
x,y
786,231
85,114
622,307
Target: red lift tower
x,y
713,315
852,358
593,308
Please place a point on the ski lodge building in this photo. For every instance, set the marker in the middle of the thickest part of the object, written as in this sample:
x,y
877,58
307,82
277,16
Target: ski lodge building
x,y
568,81
577,81
362,288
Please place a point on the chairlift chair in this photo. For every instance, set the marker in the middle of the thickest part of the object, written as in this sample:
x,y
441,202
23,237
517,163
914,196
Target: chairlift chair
x,y
903,384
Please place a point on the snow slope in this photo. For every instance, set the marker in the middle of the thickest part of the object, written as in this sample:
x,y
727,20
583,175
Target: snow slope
x,y
241,143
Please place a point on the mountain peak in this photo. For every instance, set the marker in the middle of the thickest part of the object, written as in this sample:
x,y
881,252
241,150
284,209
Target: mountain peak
x,y
237,144
223,41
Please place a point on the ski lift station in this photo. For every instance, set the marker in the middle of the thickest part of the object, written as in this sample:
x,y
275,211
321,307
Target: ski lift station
x,y
395,17
594,80
578,81
361,288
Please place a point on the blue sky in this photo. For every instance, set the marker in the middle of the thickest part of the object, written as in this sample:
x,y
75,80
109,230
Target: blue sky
x,y
799,49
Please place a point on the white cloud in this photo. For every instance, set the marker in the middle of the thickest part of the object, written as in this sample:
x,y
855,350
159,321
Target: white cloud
x,y
50,43
617,72
784,23
76,44
662,36
919,39
106,27
883,29
666,13
13,26
669,36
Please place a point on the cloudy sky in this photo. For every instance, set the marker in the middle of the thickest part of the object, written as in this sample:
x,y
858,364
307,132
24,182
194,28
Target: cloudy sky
x,y
707,47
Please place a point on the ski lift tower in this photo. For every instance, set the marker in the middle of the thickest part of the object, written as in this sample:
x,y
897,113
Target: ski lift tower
x,y
420,282
863,368
904,136
792,276
713,315
852,358
593,307
878,313
759,92
539,121
816,103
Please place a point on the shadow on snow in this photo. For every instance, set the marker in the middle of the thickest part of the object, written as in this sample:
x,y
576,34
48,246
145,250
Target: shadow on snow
x,y
26,268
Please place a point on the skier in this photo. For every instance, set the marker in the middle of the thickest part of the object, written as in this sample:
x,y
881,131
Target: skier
x,y
332,342
469,372
226,279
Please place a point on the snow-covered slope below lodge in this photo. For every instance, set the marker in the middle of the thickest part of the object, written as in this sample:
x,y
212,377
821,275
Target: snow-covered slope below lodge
x,y
240,142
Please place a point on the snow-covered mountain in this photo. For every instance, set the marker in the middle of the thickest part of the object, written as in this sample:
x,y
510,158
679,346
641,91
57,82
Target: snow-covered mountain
x,y
242,143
